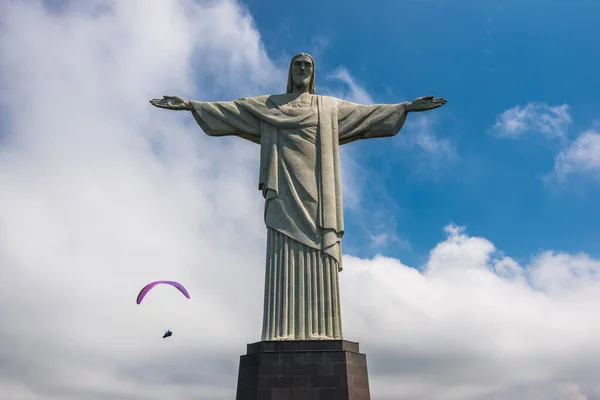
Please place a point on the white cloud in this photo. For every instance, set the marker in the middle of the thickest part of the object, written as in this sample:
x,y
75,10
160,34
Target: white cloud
x,y
537,117
582,156
461,329
354,92
385,239
101,193
432,152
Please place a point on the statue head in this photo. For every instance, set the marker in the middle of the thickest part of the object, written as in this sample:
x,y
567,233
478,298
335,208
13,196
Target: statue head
x,y
301,76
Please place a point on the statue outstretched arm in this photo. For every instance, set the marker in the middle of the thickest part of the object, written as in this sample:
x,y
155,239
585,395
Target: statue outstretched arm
x,y
357,121
219,118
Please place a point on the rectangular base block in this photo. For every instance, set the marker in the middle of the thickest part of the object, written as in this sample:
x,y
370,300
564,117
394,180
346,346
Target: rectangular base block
x,y
303,370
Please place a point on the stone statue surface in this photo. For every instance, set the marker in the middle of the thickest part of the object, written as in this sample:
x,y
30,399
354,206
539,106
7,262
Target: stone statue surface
x,y
299,134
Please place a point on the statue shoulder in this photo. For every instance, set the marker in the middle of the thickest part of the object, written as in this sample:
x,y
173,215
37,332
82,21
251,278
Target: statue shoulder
x,y
258,99
331,99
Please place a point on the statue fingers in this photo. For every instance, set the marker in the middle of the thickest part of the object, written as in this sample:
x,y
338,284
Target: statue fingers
x,y
174,100
162,104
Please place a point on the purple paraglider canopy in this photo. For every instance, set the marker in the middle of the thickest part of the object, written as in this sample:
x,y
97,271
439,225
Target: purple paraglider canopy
x,y
149,287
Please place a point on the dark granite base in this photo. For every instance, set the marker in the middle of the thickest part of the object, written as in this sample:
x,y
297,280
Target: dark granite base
x,y
303,370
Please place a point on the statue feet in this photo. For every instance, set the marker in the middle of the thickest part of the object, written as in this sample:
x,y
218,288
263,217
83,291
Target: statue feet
x,y
320,337
310,337
284,338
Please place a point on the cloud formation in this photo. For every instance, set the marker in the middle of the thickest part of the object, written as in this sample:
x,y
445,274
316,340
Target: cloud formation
x,y
578,157
582,156
354,91
429,152
101,193
474,324
550,121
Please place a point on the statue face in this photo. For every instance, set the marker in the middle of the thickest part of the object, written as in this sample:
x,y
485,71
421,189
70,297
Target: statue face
x,y
302,70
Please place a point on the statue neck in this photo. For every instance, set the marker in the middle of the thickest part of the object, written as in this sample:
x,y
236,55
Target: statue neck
x,y
300,89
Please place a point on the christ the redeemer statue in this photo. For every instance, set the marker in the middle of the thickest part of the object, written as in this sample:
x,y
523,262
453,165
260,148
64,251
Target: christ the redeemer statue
x,y
299,133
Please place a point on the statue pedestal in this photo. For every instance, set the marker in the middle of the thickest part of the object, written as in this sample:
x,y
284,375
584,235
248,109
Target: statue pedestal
x,y
303,370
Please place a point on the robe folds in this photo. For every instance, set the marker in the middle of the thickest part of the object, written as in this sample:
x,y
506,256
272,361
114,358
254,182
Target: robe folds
x,y
300,180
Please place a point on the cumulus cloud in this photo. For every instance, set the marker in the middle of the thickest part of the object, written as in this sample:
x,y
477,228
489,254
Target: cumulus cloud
x,y
551,121
464,329
582,156
101,193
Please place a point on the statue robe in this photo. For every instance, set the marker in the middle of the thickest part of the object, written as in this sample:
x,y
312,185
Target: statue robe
x,y
300,180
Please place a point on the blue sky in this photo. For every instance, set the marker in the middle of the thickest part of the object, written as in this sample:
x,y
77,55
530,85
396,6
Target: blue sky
x,y
485,57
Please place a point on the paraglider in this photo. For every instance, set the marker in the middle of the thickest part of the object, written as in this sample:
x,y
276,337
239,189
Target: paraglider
x,y
149,287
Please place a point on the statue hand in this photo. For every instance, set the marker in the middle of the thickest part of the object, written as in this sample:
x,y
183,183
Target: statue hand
x,y
172,103
425,103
